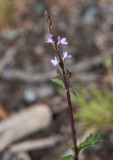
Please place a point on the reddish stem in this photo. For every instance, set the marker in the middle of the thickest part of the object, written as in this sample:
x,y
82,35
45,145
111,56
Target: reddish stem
x,y
66,83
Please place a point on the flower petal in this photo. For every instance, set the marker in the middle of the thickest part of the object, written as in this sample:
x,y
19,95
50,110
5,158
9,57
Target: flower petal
x,y
59,38
50,36
54,62
65,54
49,39
69,56
63,41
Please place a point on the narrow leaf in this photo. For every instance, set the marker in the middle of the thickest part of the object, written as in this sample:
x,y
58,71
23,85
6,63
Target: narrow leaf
x,y
91,140
70,157
58,81
73,91
69,146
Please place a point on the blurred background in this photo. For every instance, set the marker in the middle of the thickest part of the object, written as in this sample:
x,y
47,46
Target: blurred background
x,y
34,122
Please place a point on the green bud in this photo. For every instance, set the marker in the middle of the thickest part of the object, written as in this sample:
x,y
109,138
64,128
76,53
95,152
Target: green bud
x,y
45,13
47,17
59,73
68,73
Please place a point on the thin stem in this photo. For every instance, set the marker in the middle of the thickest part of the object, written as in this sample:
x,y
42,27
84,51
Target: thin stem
x,y
71,115
58,54
72,125
66,84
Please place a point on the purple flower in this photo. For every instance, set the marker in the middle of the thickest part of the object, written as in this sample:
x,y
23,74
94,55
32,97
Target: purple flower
x,y
54,62
62,41
49,39
65,55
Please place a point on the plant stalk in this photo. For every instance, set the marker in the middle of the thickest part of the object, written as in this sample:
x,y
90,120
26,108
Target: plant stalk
x,y
66,83
72,125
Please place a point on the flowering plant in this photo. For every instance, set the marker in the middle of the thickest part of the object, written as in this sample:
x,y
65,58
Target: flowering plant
x,y
64,75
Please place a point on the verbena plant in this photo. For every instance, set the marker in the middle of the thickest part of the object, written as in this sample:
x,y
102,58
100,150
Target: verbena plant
x,y
63,77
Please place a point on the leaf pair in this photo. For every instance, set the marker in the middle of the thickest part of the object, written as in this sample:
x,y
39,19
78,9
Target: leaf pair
x,y
70,157
59,82
91,141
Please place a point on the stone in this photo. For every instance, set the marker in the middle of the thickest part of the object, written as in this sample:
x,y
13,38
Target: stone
x,y
46,91
12,34
90,15
26,122
39,9
109,8
6,156
30,95
7,72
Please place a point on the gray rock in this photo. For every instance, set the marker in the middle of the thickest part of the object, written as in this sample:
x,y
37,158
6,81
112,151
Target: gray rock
x,y
45,91
109,7
39,9
30,95
6,156
7,72
24,123
12,34
90,15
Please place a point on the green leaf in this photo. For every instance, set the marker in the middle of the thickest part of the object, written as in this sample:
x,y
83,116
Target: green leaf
x,y
59,82
91,140
69,146
70,157
108,61
73,91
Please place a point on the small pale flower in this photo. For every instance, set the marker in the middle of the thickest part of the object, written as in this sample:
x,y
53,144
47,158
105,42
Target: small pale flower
x,y
62,41
54,62
65,55
49,39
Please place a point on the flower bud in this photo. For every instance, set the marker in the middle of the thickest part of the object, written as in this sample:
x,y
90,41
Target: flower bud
x,y
45,13
47,17
49,22
59,73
